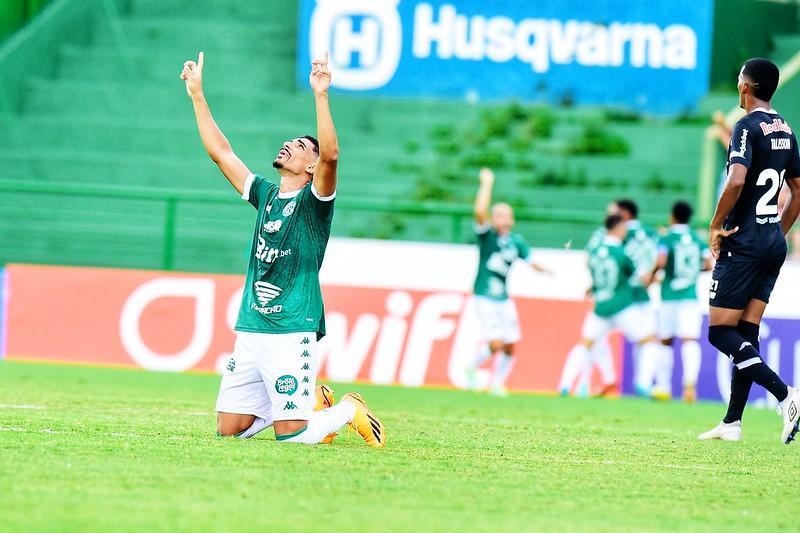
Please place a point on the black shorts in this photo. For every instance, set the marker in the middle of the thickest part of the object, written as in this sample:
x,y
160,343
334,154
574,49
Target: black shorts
x,y
737,280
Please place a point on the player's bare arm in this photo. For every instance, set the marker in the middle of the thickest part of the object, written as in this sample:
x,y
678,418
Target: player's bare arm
x,y
484,197
792,207
325,170
215,143
733,189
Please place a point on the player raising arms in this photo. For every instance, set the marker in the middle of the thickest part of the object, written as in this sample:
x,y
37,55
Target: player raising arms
x,y
499,249
747,236
682,255
270,378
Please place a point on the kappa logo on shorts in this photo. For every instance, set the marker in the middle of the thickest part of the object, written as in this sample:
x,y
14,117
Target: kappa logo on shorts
x,y
290,406
305,392
231,364
305,341
305,354
286,385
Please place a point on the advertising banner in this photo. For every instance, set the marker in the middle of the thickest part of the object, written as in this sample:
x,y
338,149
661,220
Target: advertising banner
x,y
649,56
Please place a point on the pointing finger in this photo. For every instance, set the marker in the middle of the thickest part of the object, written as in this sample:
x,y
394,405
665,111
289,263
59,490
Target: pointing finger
x,y
200,61
325,59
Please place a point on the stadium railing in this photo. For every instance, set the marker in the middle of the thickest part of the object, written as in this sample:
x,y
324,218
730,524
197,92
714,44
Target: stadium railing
x,y
172,198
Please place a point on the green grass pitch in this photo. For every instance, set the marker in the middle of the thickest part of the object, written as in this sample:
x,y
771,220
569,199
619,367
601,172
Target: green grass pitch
x,y
104,449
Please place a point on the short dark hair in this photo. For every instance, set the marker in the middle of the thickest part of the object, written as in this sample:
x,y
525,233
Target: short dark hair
x,y
681,212
629,206
313,140
612,221
764,75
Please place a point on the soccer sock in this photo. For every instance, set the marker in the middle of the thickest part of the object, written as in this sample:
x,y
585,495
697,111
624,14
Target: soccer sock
x,y
663,371
649,356
484,353
573,366
322,423
601,355
258,425
741,384
690,357
746,359
502,368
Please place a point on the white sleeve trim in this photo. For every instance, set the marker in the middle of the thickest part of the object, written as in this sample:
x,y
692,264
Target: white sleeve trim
x,y
248,184
320,197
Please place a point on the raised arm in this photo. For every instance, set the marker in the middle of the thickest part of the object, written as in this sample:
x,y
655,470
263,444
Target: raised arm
x,y
217,146
484,197
325,171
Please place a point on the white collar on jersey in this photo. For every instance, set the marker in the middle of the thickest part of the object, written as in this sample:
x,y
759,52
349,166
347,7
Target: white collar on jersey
x,y
610,239
770,111
679,227
289,194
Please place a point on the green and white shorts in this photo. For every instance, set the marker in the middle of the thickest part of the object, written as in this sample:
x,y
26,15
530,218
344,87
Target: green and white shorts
x,y
271,376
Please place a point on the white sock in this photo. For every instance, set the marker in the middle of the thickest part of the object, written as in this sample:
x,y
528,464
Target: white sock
x,y
322,423
258,425
502,368
601,355
663,369
483,354
649,356
573,366
691,357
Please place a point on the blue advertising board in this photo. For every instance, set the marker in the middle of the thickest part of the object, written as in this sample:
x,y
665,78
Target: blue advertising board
x,y
780,349
649,56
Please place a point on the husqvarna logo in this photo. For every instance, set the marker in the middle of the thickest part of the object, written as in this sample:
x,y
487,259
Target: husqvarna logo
x,y
365,38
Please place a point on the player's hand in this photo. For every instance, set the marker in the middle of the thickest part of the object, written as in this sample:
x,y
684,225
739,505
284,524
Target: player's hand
x,y
715,236
192,74
320,78
486,176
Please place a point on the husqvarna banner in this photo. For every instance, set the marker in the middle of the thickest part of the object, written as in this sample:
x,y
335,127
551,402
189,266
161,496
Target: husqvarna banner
x,y
651,56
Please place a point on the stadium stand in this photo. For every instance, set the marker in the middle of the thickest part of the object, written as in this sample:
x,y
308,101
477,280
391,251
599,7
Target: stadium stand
x,y
102,164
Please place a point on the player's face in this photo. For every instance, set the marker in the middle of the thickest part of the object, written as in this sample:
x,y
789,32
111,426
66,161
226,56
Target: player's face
x,y
612,209
297,156
502,218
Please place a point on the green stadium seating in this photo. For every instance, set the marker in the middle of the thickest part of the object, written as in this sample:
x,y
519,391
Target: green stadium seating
x,y
111,111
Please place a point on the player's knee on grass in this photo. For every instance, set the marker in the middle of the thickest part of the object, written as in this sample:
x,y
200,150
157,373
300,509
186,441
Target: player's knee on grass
x,y
286,429
230,424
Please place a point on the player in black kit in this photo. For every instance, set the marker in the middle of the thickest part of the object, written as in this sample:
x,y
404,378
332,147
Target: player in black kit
x,y
747,237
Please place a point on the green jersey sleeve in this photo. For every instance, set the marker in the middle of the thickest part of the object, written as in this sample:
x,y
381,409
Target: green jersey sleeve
x,y
321,206
256,188
523,249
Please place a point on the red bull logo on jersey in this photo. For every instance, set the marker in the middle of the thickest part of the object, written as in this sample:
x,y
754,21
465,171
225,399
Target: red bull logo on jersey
x,y
775,126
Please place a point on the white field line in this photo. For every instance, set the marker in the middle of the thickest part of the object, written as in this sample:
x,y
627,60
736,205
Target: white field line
x,y
12,406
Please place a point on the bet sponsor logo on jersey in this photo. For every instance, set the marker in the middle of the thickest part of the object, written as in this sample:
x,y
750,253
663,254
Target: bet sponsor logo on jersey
x,y
268,255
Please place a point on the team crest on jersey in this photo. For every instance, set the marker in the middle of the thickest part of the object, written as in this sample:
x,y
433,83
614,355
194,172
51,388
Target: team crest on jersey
x,y
286,385
289,209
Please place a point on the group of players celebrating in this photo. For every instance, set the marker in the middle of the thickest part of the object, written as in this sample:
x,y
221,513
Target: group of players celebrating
x,y
746,248
270,378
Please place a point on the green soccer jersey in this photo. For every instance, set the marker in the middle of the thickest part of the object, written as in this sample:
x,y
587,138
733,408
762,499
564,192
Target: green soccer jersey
x,y
596,239
282,292
640,246
685,252
497,254
611,269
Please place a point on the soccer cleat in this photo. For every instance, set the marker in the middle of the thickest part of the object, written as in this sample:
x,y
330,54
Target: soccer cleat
x,y
607,390
723,431
324,397
689,394
661,395
364,422
790,410
324,400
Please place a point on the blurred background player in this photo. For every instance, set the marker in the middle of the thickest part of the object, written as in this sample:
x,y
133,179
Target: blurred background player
x,y
612,270
271,375
682,255
640,246
600,353
747,236
499,248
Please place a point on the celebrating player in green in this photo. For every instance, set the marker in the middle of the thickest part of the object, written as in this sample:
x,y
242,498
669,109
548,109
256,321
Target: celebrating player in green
x,y
614,276
682,254
499,248
271,375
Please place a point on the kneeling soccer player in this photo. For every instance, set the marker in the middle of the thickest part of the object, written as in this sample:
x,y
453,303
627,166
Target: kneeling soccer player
x,y
613,274
271,375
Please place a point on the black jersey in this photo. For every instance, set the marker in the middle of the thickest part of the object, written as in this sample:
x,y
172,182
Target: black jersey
x,y
764,143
